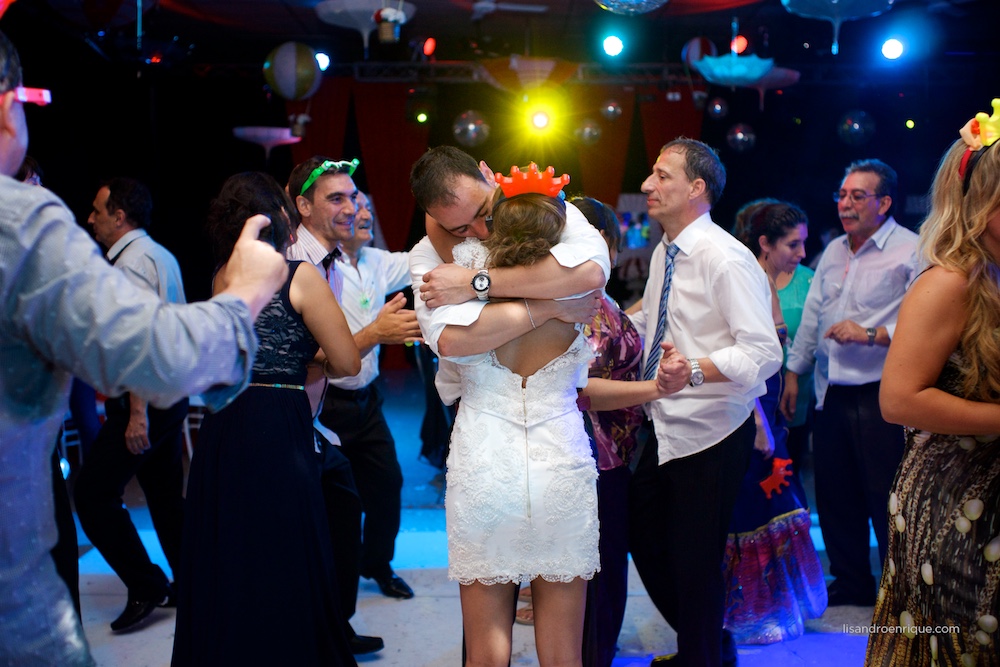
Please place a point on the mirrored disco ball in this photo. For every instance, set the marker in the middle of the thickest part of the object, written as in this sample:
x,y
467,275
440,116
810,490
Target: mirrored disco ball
x,y
630,7
588,133
856,128
470,128
741,137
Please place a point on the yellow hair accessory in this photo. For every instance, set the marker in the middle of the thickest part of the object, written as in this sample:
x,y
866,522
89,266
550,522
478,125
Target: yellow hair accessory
x,y
979,133
982,130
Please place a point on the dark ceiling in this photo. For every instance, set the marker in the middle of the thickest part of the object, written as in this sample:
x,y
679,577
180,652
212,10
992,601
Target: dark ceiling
x,y
239,33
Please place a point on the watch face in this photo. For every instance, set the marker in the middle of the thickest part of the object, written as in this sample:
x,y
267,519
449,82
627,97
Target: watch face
x,y
481,283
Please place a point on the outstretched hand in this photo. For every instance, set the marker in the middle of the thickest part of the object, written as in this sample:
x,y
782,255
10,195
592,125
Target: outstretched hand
x,y
395,324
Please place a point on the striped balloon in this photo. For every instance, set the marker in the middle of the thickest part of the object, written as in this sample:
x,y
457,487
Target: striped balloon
x,y
292,72
697,48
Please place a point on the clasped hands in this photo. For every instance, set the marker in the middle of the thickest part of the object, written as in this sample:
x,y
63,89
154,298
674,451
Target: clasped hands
x,y
674,372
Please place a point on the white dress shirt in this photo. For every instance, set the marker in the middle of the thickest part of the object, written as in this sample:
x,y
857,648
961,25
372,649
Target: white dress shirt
x,y
308,249
379,273
719,307
865,287
579,243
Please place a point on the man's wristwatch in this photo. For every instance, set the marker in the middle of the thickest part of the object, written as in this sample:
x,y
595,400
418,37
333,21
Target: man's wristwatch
x,y
872,332
481,284
697,375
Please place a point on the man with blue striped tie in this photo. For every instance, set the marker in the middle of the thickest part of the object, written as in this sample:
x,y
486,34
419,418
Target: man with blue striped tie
x,y
707,297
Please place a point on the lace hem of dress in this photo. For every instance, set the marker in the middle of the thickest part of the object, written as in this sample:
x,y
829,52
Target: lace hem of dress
x,y
524,578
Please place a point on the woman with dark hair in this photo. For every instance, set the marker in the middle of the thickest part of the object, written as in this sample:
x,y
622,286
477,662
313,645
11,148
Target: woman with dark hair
x,y
775,576
941,581
618,346
254,503
781,248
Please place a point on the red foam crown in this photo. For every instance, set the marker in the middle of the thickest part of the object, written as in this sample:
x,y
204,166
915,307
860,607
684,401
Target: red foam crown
x,y
520,182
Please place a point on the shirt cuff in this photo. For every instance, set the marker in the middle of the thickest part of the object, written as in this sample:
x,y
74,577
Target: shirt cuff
x,y
219,396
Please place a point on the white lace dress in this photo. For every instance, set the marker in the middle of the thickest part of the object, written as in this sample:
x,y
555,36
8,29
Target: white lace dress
x,y
521,497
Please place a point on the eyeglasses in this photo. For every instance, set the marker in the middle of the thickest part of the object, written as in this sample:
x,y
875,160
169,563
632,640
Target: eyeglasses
x,y
341,166
38,96
856,196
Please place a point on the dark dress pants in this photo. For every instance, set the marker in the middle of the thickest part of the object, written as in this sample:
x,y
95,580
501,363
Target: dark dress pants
x,y
856,454
343,516
357,418
66,552
101,485
679,515
607,592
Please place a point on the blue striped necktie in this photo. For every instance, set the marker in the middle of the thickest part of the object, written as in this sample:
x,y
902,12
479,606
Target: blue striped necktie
x,y
653,360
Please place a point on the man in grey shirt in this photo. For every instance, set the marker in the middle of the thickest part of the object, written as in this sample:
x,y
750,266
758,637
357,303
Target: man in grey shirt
x,y
136,440
64,311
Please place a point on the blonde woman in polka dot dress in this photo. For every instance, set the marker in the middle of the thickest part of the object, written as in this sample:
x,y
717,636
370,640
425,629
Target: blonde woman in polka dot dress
x,y
938,600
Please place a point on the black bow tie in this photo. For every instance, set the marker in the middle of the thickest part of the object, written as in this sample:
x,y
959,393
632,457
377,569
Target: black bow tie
x,y
328,260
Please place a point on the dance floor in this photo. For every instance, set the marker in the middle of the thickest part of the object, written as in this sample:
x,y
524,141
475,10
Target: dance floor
x,y
426,630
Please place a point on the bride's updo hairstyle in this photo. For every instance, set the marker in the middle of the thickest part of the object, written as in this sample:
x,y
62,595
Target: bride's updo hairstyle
x,y
525,228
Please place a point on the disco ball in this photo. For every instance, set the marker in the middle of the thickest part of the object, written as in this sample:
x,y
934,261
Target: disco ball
x,y
741,137
588,133
718,108
470,128
856,128
630,7
611,110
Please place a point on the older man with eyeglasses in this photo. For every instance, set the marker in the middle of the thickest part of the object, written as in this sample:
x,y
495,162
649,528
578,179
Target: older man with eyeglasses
x,y
847,323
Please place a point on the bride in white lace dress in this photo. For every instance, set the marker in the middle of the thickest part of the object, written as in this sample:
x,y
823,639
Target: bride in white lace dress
x,y
521,499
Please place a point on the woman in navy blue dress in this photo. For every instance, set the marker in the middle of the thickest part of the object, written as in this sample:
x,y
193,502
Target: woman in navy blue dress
x,y
256,584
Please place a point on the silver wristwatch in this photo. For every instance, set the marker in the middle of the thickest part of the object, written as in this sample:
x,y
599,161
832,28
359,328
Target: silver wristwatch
x,y
481,284
872,333
697,375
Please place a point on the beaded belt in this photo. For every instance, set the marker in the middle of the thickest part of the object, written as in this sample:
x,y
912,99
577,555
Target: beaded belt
x,y
297,387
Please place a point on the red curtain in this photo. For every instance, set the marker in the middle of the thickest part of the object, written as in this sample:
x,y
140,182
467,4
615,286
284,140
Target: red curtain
x,y
683,7
389,146
328,109
664,120
602,165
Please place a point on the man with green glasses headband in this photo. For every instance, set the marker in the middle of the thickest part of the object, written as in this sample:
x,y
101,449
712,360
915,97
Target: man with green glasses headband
x,y
338,167
327,201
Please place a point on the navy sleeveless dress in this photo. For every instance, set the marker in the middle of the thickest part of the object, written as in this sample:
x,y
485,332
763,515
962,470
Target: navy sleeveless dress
x,y
256,584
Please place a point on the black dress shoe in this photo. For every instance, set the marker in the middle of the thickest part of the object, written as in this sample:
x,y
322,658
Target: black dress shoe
x,y
393,586
361,644
135,613
171,601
